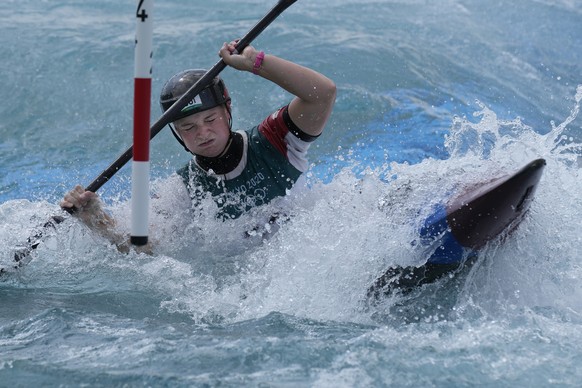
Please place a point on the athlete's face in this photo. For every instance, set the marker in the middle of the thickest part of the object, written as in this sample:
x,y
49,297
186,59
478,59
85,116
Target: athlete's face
x,y
205,133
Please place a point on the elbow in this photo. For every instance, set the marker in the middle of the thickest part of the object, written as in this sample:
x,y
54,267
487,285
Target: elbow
x,y
327,93
331,90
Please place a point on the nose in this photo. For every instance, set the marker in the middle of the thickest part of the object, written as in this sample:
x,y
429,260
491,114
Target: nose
x,y
201,131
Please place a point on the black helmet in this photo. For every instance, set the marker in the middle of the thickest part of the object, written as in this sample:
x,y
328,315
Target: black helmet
x,y
213,95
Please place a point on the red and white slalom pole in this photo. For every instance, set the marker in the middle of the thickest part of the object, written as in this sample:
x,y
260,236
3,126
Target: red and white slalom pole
x,y
140,185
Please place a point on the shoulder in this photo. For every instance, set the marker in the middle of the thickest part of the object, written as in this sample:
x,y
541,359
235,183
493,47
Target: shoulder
x,y
280,130
280,124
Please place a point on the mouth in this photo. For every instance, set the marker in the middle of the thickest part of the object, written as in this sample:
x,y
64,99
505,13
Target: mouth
x,y
206,143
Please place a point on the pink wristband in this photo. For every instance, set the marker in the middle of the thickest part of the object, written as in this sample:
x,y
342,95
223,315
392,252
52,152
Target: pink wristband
x,y
258,62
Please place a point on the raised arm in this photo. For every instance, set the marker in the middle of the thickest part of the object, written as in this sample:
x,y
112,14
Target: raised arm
x,y
314,93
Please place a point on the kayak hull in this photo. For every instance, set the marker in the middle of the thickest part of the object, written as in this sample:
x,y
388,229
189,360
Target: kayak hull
x,y
454,232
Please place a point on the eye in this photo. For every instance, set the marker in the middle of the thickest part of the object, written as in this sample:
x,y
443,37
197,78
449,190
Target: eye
x,y
210,119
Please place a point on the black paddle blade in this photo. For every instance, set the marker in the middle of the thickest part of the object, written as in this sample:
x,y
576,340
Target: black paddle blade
x,y
403,280
22,254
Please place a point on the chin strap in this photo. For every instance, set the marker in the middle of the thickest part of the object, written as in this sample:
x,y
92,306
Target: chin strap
x,y
178,138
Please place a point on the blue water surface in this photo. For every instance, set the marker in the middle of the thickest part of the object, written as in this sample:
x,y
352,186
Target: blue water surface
x,y
432,97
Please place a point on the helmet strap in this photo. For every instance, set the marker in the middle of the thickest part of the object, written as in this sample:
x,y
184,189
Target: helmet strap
x,y
228,109
178,138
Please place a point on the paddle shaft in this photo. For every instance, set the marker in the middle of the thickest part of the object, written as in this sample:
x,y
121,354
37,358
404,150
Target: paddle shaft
x,y
194,90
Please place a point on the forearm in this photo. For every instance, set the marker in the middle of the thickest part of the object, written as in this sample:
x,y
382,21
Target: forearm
x,y
314,93
89,210
306,84
105,227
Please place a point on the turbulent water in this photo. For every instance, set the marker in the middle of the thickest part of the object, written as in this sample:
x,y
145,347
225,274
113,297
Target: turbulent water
x,y
433,96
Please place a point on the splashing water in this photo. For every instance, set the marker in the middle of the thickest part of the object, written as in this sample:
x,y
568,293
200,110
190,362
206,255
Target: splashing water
x,y
563,144
339,235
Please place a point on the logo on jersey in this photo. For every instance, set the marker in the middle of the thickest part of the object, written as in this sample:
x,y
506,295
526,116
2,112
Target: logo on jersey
x,y
196,102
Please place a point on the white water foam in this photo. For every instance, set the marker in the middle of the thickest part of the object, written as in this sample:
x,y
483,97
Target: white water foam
x,y
340,236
